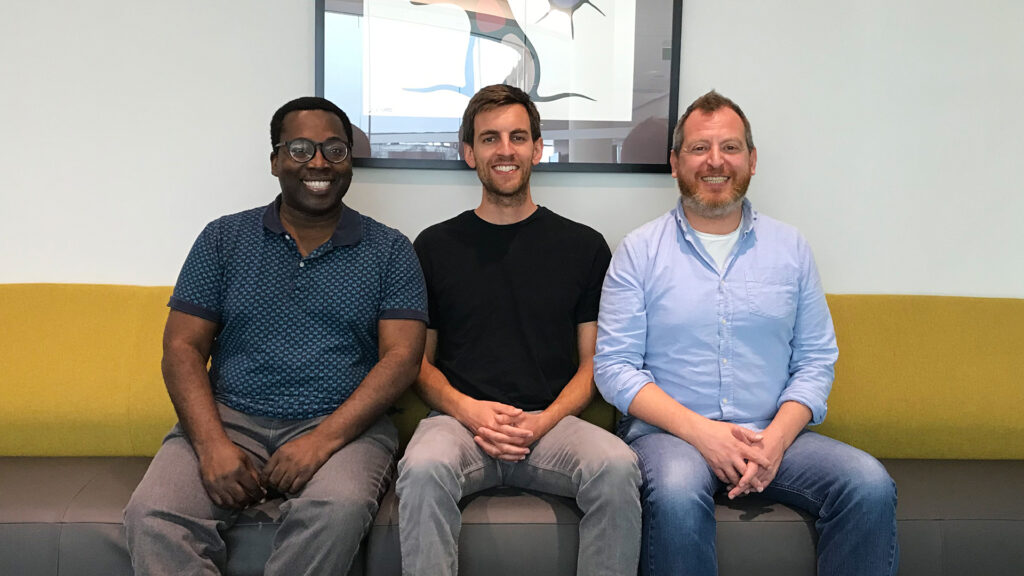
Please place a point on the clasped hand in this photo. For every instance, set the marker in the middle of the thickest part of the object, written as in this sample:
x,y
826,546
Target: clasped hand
x,y
502,431
746,461
232,481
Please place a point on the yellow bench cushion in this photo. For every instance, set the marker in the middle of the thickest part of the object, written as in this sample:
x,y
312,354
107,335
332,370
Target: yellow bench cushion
x,y
918,376
81,370
928,376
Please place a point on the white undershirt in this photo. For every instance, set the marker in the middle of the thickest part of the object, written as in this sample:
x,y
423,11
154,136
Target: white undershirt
x,y
719,245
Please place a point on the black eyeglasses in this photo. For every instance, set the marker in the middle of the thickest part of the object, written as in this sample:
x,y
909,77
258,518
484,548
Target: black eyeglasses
x,y
302,150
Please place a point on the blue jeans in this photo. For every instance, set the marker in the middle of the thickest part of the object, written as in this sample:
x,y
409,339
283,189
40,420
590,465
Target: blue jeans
x,y
847,489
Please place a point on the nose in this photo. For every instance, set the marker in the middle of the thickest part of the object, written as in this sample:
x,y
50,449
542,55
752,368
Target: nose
x,y
505,146
715,158
318,159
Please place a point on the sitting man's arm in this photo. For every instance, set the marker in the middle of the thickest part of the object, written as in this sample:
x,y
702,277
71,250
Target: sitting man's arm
x,y
621,378
504,440
573,398
230,478
812,369
400,342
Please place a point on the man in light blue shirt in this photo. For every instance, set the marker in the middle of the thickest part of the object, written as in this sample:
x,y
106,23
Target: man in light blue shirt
x,y
715,340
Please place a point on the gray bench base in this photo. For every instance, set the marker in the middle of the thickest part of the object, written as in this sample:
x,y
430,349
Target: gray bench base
x,y
62,516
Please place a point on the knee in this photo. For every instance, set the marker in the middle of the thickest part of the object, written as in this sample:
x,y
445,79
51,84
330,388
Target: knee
x,y
144,514
868,486
339,513
679,489
136,513
617,470
419,473
681,499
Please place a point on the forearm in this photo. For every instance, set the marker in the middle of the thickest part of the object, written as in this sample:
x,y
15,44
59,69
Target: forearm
x,y
434,389
652,405
188,385
576,396
791,418
580,389
379,390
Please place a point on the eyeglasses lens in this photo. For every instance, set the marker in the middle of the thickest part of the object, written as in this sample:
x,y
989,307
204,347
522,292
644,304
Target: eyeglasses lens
x,y
302,150
334,150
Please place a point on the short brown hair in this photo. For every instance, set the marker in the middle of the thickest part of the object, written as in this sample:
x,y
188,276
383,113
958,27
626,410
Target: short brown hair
x,y
496,96
708,103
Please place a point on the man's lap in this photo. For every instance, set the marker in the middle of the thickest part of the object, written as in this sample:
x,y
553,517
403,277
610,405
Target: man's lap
x,y
173,479
553,465
813,465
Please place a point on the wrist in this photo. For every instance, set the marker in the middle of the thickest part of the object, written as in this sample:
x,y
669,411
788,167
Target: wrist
x,y
206,449
694,430
774,435
462,409
546,420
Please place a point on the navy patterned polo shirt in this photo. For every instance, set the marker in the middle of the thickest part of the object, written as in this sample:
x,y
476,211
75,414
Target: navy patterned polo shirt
x,y
297,335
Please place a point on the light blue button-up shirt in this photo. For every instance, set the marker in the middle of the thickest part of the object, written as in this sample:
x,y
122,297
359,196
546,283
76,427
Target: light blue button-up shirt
x,y
730,344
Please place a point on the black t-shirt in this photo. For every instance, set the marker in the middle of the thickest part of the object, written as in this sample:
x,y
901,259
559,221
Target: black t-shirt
x,y
505,301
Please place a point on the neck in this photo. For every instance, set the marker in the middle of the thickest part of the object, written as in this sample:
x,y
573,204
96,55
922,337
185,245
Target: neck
x,y
723,224
309,231
497,209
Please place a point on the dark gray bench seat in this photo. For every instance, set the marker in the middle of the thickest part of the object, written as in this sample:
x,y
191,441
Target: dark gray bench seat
x,y
62,517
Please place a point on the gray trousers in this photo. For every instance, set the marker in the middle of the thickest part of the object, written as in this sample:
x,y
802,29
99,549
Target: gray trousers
x,y
575,459
174,528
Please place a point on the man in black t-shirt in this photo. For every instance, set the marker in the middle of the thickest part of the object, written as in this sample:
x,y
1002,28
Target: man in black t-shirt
x,y
513,292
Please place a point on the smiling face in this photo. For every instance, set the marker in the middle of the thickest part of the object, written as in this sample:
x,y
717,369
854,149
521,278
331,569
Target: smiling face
x,y
313,189
713,165
504,152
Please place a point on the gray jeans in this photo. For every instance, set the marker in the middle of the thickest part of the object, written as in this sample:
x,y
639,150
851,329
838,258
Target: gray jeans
x,y
174,528
575,459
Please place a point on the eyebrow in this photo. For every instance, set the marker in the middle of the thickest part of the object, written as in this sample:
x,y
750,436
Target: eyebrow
x,y
708,141
515,132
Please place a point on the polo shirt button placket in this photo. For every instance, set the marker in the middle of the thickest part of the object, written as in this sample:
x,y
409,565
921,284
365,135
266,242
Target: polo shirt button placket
x,y
300,277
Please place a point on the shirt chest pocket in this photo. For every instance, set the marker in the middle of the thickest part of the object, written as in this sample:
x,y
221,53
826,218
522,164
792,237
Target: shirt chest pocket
x,y
771,293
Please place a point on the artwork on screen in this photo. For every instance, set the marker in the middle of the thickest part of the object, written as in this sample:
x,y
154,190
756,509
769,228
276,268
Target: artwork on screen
x,y
601,72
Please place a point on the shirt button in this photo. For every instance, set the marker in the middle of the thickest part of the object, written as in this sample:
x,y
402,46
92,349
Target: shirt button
x,y
302,264
724,361
723,320
725,401
287,237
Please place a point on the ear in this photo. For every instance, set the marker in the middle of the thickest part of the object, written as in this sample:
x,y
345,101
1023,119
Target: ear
x,y
538,150
273,163
468,156
673,160
753,161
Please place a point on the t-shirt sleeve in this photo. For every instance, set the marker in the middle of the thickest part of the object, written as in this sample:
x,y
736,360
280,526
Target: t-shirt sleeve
x,y
423,250
589,305
198,290
405,295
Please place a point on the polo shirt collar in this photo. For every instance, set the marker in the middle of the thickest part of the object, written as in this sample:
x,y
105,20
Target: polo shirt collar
x,y
348,232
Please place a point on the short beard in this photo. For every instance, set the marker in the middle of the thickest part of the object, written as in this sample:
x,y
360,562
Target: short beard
x,y
694,204
516,198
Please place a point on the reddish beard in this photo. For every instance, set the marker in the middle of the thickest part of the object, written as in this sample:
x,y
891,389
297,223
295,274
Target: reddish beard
x,y
713,207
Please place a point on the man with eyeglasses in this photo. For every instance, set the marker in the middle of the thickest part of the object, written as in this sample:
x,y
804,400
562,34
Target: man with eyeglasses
x,y
312,318
716,342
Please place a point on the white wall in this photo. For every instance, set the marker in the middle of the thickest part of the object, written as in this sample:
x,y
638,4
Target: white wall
x,y
887,131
